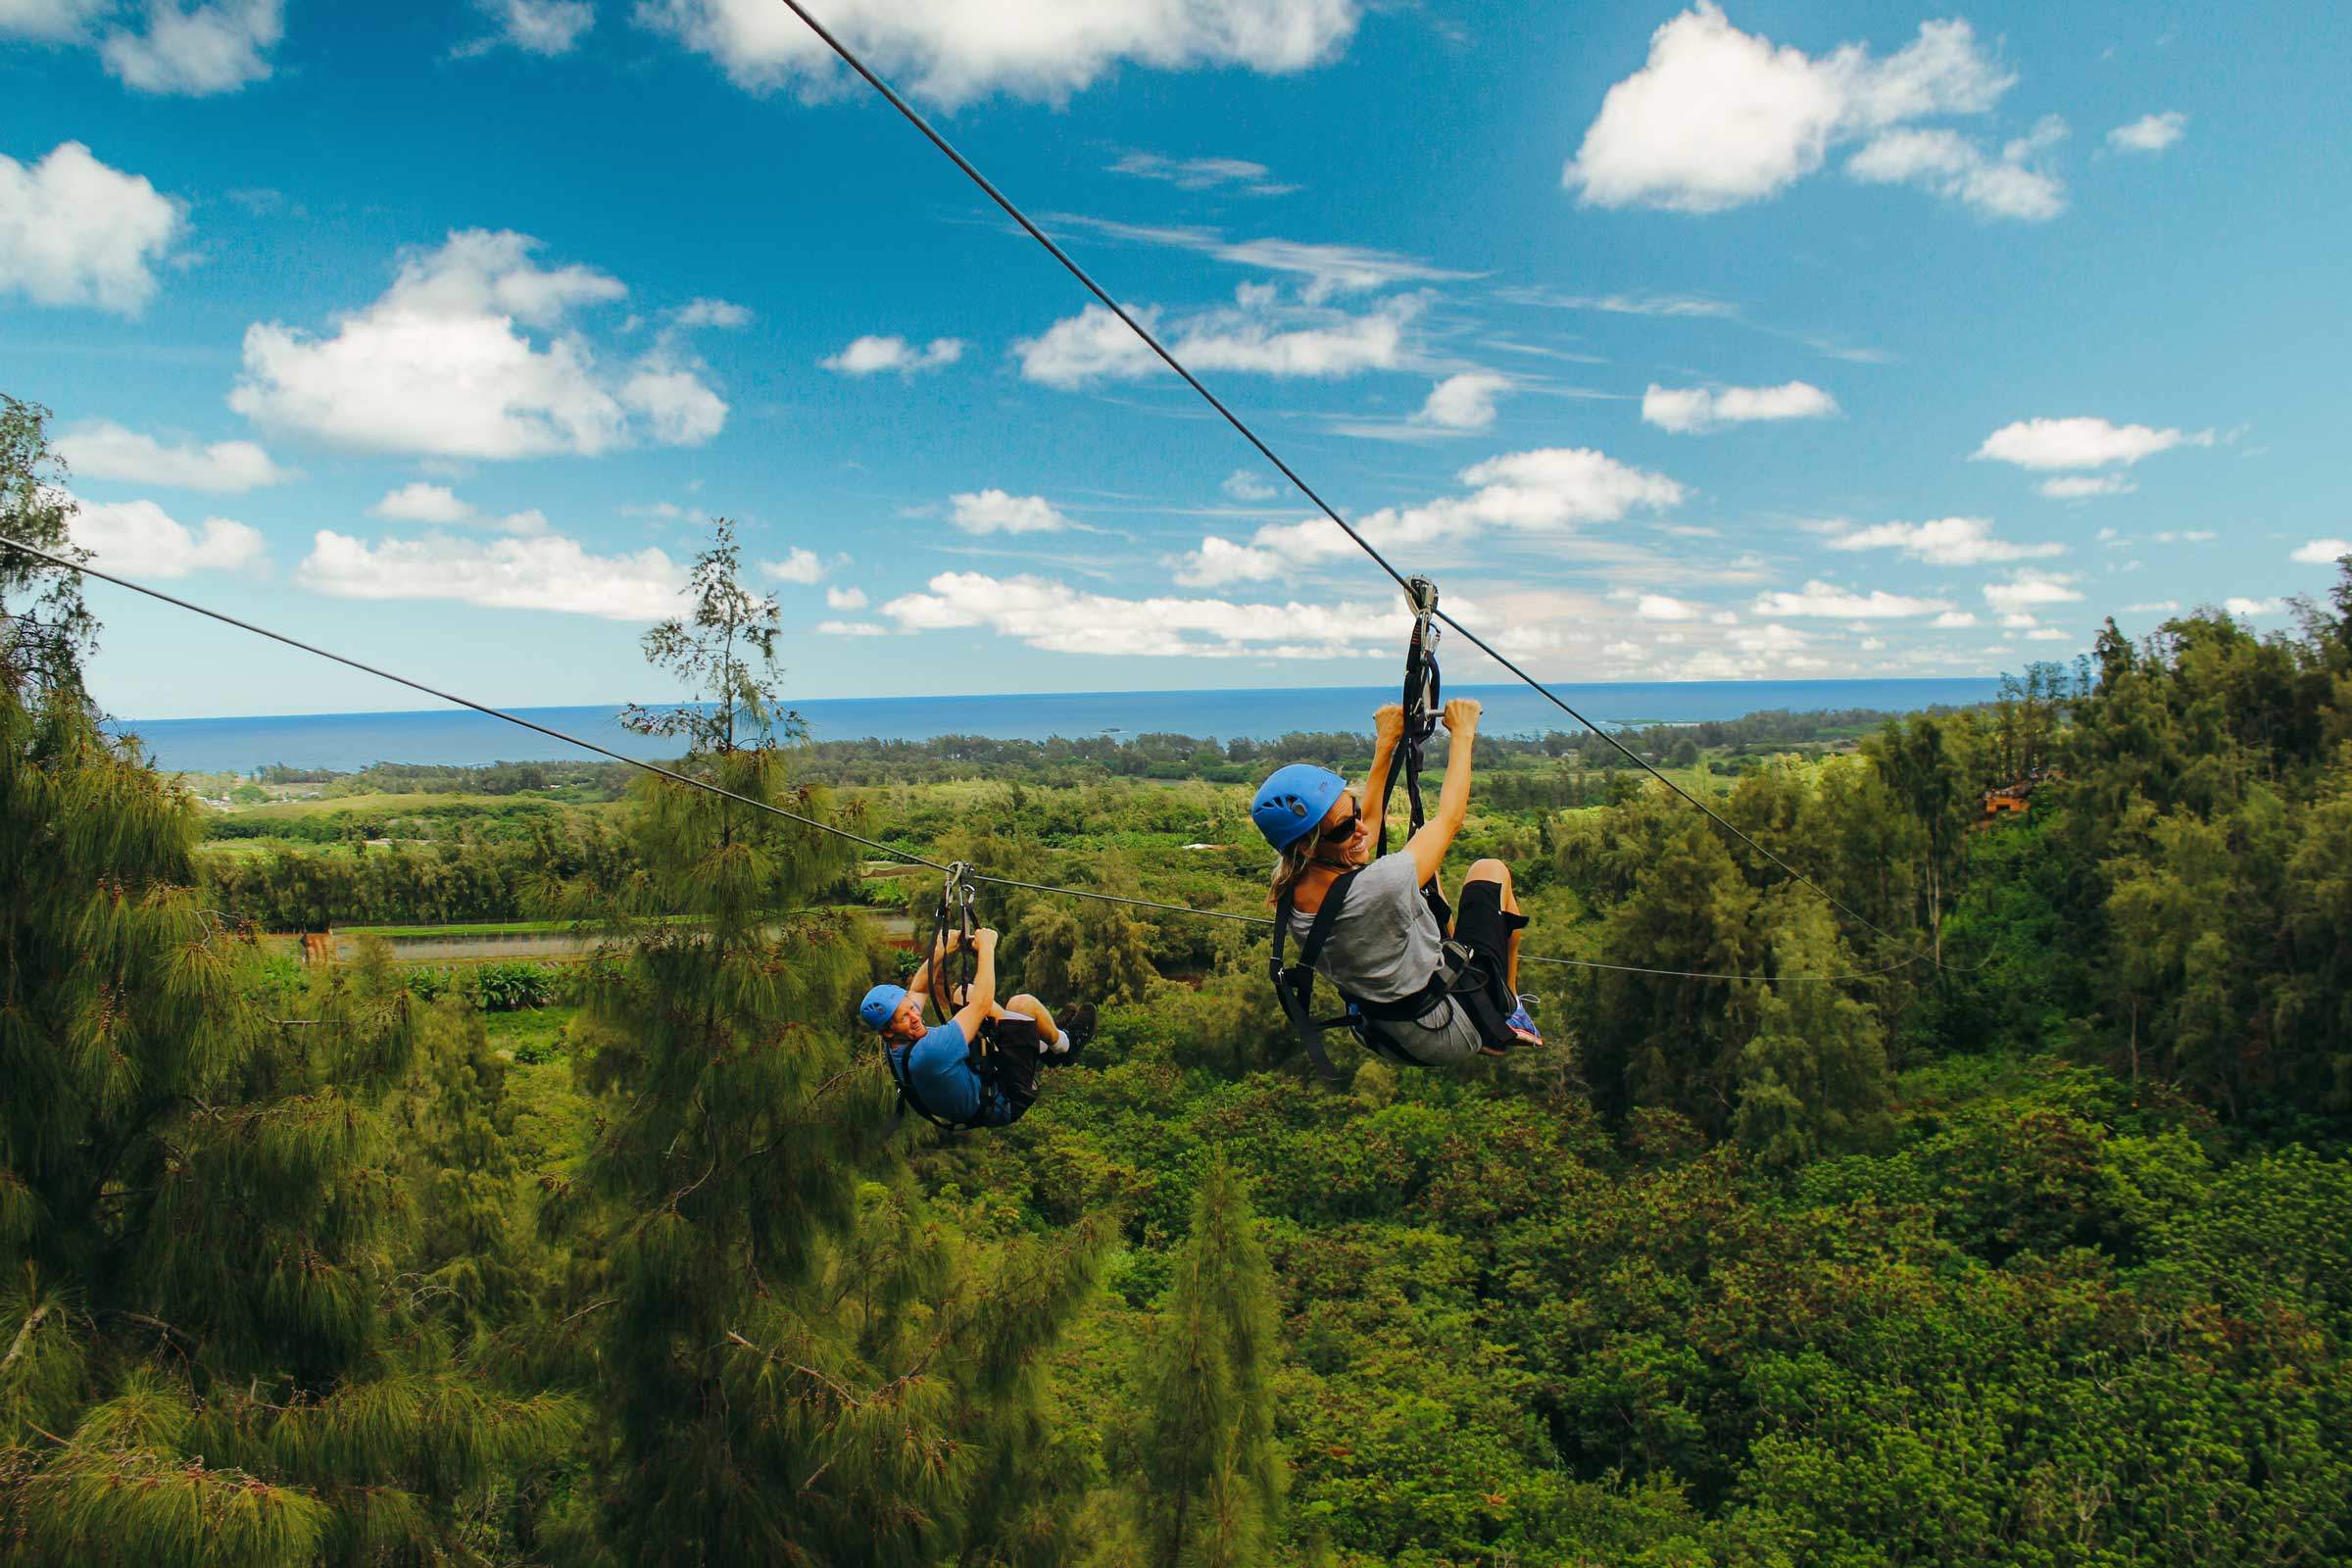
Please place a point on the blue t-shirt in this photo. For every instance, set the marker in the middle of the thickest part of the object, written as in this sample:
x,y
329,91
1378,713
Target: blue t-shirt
x,y
936,1071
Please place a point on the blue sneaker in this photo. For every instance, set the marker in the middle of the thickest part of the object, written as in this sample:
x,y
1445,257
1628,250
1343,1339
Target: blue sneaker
x,y
1523,1027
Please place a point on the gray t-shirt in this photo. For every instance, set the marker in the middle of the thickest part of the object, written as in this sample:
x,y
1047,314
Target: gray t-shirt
x,y
1384,946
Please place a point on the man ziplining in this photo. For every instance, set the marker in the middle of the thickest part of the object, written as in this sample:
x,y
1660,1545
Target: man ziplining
x,y
980,1067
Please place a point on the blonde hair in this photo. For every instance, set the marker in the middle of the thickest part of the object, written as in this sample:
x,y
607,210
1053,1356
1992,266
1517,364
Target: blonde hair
x,y
1292,867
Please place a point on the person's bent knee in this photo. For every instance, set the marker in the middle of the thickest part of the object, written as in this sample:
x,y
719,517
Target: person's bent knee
x,y
1488,871
1024,1002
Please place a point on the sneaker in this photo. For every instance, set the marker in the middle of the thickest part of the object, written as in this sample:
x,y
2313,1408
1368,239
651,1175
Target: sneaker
x,y
1523,1028
1076,1031
1528,1003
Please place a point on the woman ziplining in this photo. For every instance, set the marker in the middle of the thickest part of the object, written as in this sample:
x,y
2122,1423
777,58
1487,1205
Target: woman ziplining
x,y
1419,990
980,1067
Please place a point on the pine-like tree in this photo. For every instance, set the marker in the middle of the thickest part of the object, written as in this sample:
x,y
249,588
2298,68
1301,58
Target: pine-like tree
x,y
208,1355
1213,1479
802,1362
45,627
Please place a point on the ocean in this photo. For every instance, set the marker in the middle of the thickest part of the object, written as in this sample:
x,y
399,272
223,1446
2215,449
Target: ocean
x,y
455,736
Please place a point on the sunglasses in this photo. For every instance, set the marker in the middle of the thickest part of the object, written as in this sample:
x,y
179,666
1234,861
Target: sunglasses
x,y
1345,828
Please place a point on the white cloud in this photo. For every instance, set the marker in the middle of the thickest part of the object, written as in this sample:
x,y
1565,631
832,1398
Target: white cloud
x,y
535,26
845,599
1464,402
1945,542
1659,607
1548,490
102,450
1957,168
871,355
49,21
1047,614
1095,345
1202,174
1953,620
423,502
1328,268
679,406
197,49
2081,442
1091,346
543,571
951,51
441,507
2084,486
437,366
1242,485
2322,552
1662,305
995,511
2029,588
140,537
74,231
1823,601
2185,536
1691,409
2048,634
2251,606
798,565
853,628
2154,606
2149,134
712,313
1718,117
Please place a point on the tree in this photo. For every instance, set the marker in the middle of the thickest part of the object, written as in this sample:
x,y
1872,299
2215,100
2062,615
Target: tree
x,y
1926,762
724,654
210,1358
1813,1077
1213,1479
800,1361
44,625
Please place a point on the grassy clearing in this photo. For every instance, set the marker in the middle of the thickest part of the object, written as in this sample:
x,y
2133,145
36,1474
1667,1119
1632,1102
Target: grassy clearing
x,y
476,928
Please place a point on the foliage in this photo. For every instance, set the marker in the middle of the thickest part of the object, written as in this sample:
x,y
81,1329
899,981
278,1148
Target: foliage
x,y
208,1209
1982,1196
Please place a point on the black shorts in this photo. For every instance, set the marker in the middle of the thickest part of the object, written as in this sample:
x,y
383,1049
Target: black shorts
x,y
1480,925
1014,1045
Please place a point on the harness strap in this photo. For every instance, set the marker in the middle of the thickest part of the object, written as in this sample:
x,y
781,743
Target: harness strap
x,y
949,991
1294,986
1423,701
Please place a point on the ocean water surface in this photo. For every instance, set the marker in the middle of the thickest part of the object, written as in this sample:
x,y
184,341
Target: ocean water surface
x,y
456,736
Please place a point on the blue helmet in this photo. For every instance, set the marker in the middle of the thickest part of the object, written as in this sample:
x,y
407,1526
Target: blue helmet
x,y
881,1004
1292,803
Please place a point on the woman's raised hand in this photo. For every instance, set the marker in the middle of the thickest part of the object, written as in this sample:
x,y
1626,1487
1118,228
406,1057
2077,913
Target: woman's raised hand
x,y
1461,714
1387,724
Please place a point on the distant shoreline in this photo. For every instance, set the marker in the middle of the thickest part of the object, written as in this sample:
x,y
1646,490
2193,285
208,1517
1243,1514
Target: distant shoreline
x,y
450,737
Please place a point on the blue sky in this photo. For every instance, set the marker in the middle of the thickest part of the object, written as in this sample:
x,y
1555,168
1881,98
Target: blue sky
x,y
1676,342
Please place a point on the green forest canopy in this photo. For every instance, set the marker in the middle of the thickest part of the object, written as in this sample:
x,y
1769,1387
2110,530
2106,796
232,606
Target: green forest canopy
x,y
2039,1255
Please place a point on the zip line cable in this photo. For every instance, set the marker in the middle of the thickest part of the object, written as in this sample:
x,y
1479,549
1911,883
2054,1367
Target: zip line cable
x,y
987,187
655,769
1092,287
569,739
551,733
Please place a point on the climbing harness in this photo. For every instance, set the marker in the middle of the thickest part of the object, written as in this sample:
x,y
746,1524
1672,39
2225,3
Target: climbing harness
x,y
1460,977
